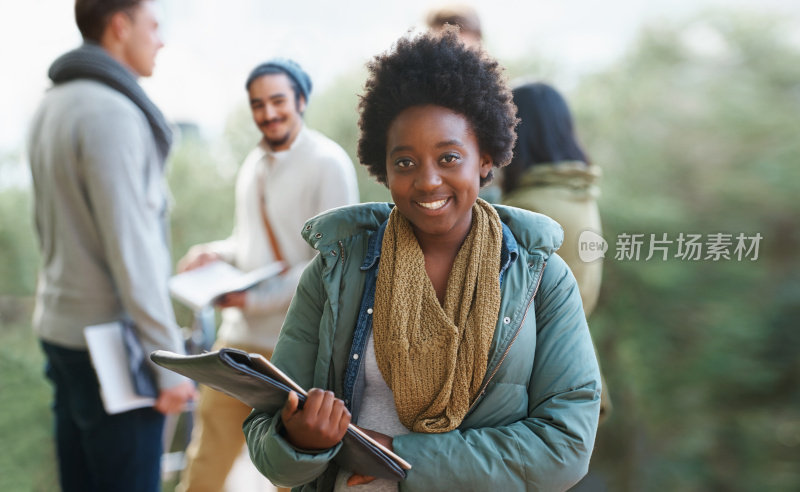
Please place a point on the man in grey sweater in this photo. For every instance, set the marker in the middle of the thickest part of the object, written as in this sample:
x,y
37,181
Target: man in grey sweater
x,y
97,149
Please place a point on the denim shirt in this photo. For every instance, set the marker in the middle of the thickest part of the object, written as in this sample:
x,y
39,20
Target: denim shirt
x,y
354,375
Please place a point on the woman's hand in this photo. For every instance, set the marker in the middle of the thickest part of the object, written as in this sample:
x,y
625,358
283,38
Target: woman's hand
x,y
320,424
386,441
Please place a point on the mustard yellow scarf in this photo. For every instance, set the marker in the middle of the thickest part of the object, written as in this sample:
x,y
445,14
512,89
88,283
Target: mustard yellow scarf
x,y
434,358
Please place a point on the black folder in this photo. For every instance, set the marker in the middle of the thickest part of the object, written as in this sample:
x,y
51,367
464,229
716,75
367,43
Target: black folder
x,y
252,379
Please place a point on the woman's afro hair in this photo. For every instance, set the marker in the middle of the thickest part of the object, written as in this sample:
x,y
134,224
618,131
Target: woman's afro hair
x,y
436,69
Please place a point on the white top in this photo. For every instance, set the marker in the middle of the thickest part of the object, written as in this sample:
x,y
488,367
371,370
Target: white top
x,y
377,413
315,174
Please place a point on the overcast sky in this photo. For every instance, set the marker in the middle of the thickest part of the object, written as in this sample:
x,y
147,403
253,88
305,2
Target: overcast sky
x,y
211,44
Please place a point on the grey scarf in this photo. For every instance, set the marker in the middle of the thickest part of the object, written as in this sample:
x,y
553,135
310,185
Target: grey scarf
x,y
91,61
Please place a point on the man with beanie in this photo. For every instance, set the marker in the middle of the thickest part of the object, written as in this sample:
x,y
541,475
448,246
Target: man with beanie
x,y
293,174
97,150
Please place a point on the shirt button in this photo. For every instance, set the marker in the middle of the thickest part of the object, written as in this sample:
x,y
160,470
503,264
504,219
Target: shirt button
x,y
355,356
506,320
369,310
308,227
318,235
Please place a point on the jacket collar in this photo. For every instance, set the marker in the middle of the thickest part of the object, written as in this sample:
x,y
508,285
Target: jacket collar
x,y
522,229
577,178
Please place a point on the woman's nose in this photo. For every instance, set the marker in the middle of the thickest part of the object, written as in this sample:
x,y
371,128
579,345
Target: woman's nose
x,y
428,177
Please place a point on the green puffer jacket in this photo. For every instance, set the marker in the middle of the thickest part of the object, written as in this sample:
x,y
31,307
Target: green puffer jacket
x,y
534,426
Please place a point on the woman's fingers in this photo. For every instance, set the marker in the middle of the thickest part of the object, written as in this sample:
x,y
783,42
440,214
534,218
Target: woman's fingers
x,y
313,403
356,479
290,407
343,416
326,405
320,424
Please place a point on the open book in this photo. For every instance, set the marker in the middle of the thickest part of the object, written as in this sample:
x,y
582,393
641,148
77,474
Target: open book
x,y
200,287
257,382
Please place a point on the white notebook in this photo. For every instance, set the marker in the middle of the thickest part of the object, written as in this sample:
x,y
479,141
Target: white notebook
x,y
110,361
199,288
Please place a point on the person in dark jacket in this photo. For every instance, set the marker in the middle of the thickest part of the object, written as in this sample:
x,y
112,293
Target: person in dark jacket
x,y
443,326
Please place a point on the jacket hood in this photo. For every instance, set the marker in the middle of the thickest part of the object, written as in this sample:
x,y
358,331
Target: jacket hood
x,y
534,232
581,179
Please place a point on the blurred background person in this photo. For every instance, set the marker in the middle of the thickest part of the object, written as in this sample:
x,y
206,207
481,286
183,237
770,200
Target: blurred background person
x,y
293,174
97,151
461,15
551,174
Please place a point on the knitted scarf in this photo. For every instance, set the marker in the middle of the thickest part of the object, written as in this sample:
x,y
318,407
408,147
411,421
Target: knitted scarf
x,y
434,357
90,61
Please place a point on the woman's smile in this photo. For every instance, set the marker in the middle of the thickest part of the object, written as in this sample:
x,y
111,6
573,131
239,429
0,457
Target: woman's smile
x,y
432,205
434,168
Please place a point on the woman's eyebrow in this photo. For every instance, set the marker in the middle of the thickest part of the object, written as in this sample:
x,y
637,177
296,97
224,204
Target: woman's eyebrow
x,y
444,143
401,148
448,143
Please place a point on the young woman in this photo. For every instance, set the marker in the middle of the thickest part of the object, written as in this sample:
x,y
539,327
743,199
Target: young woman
x,y
446,327
551,174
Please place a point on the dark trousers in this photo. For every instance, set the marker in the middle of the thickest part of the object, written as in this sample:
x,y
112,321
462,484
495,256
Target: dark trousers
x,y
96,451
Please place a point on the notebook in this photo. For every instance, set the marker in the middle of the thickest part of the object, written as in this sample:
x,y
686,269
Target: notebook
x,y
254,380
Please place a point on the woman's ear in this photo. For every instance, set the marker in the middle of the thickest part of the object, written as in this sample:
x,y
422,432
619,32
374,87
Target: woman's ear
x,y
486,165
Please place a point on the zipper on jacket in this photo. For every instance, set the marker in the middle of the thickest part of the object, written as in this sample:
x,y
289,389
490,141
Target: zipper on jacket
x,y
508,348
341,251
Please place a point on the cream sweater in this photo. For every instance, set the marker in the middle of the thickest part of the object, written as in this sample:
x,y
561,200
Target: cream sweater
x,y
313,175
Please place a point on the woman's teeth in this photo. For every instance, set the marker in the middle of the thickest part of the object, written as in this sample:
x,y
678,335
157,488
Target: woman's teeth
x,y
433,205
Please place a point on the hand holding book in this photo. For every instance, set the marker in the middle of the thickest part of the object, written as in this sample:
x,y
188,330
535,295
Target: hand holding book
x,y
257,382
204,285
321,422
236,299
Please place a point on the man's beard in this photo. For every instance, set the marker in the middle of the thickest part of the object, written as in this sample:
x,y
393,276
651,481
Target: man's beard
x,y
277,142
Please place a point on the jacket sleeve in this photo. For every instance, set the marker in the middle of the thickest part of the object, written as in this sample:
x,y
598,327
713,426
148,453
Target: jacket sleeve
x,y
295,354
550,449
127,196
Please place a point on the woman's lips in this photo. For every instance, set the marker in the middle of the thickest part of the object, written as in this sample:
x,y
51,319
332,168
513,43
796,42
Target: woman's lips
x,y
434,205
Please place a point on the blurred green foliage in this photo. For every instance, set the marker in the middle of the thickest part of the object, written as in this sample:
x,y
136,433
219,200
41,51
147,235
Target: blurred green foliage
x,y
696,129
18,248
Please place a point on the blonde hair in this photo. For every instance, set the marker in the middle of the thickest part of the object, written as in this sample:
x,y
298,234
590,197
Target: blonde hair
x,y
461,15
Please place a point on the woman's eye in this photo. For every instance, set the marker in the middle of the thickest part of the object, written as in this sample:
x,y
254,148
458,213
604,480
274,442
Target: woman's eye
x,y
403,163
450,158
